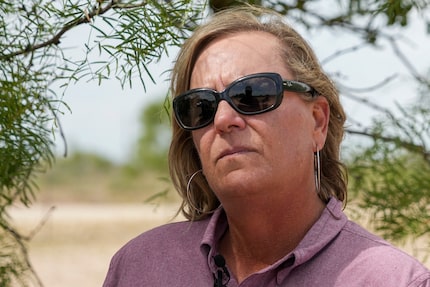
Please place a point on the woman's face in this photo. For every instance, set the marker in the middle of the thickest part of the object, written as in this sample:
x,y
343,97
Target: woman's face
x,y
260,154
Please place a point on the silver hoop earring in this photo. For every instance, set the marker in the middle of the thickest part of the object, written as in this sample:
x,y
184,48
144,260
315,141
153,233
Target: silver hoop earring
x,y
317,171
189,199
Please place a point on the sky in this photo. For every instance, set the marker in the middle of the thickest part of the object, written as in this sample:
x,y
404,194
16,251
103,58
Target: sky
x,y
104,119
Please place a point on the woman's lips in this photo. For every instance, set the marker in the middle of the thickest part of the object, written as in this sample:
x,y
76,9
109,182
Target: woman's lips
x,y
233,151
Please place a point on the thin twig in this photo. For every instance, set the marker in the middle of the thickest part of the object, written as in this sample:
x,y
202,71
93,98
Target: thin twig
x,y
20,239
341,52
405,61
376,86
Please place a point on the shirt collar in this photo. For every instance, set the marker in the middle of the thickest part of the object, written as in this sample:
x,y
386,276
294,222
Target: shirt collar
x,y
214,231
330,223
327,227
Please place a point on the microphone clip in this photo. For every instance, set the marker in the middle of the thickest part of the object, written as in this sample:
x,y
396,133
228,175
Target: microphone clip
x,y
222,276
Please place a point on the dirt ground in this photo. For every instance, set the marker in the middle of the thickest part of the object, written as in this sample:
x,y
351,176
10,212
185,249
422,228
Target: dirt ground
x,y
75,245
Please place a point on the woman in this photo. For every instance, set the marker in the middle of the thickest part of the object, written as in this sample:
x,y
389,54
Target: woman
x,y
255,156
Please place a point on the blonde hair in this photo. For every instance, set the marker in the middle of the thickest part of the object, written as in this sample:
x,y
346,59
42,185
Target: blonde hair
x,y
198,198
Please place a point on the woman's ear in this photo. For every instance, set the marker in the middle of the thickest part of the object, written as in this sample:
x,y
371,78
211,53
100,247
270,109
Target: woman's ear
x,y
321,114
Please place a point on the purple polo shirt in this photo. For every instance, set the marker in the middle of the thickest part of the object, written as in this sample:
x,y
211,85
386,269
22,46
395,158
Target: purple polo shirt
x,y
334,252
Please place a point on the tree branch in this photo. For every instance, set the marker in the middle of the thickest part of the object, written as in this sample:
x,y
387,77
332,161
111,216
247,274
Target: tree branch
x,y
410,146
86,18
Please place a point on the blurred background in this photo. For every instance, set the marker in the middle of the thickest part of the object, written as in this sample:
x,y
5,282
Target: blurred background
x,y
109,180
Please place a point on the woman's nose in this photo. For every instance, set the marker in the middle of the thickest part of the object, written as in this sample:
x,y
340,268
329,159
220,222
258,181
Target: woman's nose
x,y
226,118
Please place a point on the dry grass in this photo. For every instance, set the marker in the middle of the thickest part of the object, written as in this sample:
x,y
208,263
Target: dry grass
x,y
75,245
98,208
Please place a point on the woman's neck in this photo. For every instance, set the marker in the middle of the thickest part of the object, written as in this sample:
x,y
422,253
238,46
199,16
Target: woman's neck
x,y
263,231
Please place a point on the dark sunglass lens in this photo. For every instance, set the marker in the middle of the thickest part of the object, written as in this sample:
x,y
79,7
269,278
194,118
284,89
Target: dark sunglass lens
x,y
254,95
196,109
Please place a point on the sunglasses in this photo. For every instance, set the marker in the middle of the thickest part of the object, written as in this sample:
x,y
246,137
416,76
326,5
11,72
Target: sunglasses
x,y
250,95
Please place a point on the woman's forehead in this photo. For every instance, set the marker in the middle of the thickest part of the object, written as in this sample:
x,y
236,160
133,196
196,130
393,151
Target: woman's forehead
x,y
230,57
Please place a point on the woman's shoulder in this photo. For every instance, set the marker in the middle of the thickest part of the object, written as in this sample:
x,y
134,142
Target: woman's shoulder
x,y
166,247
381,257
175,236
